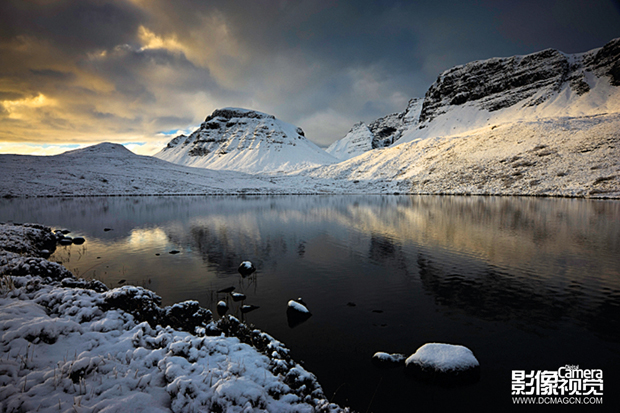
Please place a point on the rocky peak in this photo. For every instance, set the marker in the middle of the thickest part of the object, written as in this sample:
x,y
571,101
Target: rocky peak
x,y
357,141
231,113
605,61
499,83
244,140
389,129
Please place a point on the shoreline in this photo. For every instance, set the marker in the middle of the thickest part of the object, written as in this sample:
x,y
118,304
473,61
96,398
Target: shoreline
x,y
276,194
68,343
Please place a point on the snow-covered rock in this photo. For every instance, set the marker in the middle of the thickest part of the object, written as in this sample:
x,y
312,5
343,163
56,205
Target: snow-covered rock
x,y
297,313
389,129
222,308
245,140
380,133
443,364
246,268
387,360
546,84
67,347
357,141
297,306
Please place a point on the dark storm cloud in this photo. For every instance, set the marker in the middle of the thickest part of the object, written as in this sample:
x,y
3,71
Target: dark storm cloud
x,y
75,25
124,66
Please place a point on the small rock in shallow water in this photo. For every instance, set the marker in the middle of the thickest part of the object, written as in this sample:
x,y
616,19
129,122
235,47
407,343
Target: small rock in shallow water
x,y
385,360
65,241
247,308
79,240
222,308
297,312
246,268
107,229
174,252
238,296
445,364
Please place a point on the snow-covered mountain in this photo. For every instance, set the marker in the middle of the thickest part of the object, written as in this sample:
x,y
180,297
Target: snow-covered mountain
x,y
543,124
542,85
112,169
247,141
380,133
357,141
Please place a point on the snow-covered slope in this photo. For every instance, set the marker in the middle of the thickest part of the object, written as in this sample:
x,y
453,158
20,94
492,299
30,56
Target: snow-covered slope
x,y
542,124
380,133
111,169
547,84
357,141
389,129
92,349
245,140
577,156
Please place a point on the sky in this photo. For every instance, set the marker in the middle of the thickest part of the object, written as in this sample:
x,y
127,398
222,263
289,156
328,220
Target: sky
x,y
138,72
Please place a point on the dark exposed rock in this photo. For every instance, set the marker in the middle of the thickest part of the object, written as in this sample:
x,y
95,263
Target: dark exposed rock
x,y
529,80
389,129
246,268
248,307
496,83
222,308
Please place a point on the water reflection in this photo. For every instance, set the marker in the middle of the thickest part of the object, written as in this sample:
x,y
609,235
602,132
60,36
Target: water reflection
x,y
527,273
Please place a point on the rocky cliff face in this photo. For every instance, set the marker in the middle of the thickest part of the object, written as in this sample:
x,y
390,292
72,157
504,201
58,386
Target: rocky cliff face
x,y
380,133
389,129
530,80
245,140
357,141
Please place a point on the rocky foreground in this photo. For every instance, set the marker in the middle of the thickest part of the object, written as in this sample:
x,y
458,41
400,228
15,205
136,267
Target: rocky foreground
x,y
69,344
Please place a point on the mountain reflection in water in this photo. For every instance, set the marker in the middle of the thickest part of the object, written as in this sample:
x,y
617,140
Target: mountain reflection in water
x,y
526,283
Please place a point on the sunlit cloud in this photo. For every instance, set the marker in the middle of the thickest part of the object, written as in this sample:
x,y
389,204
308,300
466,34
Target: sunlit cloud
x,y
20,109
150,40
127,71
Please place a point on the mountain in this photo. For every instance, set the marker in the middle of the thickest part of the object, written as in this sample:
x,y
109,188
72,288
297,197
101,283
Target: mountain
x,y
357,141
546,84
380,133
547,123
245,140
112,169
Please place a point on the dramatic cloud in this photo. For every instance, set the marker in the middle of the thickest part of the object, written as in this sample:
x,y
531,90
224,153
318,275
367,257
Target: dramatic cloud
x,y
77,72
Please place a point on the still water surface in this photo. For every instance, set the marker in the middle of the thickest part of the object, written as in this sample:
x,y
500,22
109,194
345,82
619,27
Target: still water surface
x,y
525,283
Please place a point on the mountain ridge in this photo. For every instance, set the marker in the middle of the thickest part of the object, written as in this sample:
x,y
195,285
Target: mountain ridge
x,y
245,140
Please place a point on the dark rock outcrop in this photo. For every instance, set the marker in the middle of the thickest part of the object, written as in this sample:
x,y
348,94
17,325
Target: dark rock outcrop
x,y
529,80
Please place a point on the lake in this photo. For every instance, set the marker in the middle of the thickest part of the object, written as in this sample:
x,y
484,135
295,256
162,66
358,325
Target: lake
x,y
525,283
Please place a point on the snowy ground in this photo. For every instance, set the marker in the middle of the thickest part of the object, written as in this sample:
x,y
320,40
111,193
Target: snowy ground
x,y
566,156
562,156
70,345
